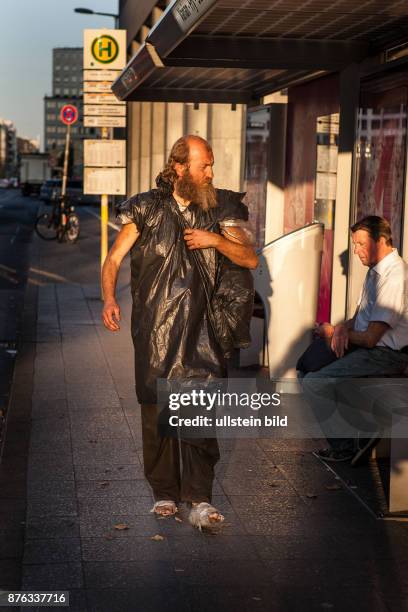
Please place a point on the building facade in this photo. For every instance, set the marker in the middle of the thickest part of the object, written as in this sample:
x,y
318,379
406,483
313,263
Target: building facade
x,y
67,64
8,149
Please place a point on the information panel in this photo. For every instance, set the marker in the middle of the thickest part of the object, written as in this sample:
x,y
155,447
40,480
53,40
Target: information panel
x,y
105,181
101,153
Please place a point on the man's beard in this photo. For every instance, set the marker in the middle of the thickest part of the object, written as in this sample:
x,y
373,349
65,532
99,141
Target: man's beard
x,y
203,194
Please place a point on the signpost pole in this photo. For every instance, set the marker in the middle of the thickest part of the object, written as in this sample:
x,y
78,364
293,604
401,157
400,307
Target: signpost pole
x,y
66,156
104,220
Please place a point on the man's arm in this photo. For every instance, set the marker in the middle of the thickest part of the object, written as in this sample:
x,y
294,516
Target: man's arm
x,y
122,245
235,247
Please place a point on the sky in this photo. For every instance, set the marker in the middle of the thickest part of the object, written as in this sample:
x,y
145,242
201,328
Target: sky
x,y
29,30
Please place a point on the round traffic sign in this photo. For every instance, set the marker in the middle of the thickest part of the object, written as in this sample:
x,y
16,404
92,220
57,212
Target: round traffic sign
x,y
69,114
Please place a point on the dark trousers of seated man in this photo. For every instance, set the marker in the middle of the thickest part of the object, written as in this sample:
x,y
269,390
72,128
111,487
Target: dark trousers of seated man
x,y
189,479
319,368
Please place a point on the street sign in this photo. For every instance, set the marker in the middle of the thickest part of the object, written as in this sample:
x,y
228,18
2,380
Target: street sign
x,y
105,122
97,87
69,114
101,75
104,49
105,110
102,153
101,98
105,181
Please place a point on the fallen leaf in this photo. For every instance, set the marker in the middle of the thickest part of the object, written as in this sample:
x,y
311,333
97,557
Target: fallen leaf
x,y
176,518
178,570
257,599
105,483
311,495
121,526
157,538
333,487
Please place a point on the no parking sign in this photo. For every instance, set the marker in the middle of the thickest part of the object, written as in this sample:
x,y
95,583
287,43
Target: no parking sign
x,y
69,114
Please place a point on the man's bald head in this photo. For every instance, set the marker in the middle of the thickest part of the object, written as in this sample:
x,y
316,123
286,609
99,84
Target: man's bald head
x,y
189,170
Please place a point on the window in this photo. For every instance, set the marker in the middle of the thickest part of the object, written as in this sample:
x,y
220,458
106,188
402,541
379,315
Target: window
x,y
51,104
57,91
50,117
66,91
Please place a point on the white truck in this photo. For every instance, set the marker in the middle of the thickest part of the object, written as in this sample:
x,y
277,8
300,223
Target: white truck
x,y
34,170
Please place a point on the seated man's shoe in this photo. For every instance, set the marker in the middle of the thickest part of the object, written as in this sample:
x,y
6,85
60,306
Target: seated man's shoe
x,y
363,453
333,455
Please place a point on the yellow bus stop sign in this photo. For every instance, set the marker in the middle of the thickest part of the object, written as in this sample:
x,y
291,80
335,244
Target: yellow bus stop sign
x,y
105,49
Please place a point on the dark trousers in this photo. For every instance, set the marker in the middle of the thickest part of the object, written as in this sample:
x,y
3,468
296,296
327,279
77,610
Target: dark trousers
x,y
321,373
188,480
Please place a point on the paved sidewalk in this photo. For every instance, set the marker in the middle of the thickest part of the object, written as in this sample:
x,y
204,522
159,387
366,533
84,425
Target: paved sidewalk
x,y
294,539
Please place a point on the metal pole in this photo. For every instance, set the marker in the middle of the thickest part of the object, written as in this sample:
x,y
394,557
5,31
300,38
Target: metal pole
x,y
66,156
104,219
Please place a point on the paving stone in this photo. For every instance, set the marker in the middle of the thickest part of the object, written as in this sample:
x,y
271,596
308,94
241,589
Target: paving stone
x,y
52,527
51,489
57,576
139,505
130,574
95,454
51,466
112,488
52,506
10,574
61,550
98,525
107,471
125,549
143,599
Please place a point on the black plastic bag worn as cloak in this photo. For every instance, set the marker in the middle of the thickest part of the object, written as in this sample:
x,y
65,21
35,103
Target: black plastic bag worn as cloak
x,y
190,308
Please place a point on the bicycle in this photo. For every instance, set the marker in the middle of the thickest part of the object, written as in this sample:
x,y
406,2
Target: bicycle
x,y
61,224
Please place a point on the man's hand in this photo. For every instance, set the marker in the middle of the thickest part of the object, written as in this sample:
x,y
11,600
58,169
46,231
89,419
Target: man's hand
x,y
340,340
323,330
200,239
110,315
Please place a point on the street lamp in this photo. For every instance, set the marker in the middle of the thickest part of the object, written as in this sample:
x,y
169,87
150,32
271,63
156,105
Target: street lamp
x,y
86,11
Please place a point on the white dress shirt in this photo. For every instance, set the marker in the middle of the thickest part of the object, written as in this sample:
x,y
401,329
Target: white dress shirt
x,y
384,297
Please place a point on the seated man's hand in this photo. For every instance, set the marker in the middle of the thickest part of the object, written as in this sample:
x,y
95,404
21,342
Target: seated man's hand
x,y
323,330
340,340
200,239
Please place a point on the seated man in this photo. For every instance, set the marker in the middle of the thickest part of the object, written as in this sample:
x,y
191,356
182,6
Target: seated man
x,y
373,343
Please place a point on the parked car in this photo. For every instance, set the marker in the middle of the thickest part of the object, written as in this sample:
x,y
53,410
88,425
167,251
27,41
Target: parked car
x,y
74,191
4,183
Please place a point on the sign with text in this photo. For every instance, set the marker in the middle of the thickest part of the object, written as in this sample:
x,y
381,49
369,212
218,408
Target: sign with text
x,y
97,87
101,75
105,181
101,98
101,110
102,153
101,122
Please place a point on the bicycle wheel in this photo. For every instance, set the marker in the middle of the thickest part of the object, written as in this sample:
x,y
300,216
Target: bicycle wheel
x,y
71,229
45,226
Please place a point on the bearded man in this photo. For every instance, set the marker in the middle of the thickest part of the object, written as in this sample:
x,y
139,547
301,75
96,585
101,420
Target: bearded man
x,y
187,240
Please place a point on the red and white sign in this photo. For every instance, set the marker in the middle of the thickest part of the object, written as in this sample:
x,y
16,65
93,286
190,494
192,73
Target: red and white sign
x,y
69,114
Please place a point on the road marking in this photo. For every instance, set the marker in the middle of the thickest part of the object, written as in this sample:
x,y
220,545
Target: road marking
x,y
112,225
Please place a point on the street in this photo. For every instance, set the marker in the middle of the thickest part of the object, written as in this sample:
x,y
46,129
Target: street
x,y
75,505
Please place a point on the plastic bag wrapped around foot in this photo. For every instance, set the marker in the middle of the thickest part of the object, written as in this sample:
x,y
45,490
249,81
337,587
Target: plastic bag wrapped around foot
x,y
200,516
